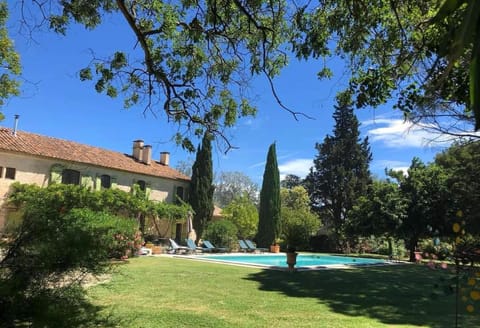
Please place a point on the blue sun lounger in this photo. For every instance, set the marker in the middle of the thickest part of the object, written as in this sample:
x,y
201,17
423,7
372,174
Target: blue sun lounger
x,y
253,248
208,245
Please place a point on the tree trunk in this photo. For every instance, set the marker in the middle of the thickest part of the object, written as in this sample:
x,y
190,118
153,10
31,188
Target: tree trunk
x,y
412,245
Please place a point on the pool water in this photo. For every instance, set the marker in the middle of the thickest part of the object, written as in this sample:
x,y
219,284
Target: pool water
x,y
303,260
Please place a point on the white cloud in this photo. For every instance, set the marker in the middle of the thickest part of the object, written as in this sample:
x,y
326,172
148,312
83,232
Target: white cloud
x,y
390,165
396,133
300,167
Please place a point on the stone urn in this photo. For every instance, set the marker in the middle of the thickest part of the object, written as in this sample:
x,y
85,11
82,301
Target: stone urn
x,y
291,259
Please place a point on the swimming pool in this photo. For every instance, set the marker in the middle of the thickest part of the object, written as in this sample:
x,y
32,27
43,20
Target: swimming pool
x,y
307,261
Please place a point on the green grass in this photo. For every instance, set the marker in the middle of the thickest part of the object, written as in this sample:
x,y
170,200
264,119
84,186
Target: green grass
x,y
174,292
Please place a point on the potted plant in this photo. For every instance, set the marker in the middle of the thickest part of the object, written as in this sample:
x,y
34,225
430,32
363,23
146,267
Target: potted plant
x,y
275,247
291,257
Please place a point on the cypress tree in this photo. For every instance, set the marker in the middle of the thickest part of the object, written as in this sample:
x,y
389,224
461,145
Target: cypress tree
x,y
341,169
201,186
269,213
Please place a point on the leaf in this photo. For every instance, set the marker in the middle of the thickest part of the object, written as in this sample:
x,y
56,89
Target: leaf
x,y
446,10
475,82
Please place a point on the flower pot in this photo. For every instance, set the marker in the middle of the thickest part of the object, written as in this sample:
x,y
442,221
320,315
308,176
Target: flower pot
x,y
274,248
291,260
157,250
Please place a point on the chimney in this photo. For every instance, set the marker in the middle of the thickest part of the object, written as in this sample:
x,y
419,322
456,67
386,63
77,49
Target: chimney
x,y
137,150
165,158
147,154
15,126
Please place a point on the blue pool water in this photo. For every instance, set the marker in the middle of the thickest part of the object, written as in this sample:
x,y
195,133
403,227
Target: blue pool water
x,y
303,260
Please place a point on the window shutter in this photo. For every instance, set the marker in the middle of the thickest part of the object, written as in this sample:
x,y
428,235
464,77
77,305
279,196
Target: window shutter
x,y
98,182
86,181
56,173
148,190
114,182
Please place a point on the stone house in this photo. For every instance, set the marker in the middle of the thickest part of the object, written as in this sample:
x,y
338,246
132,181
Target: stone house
x,y
31,158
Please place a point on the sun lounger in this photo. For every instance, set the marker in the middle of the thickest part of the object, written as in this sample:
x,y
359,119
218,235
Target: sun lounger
x,y
208,245
243,246
192,247
252,247
177,249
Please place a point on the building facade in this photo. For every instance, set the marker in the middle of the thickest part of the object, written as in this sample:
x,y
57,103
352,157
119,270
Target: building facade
x,y
31,158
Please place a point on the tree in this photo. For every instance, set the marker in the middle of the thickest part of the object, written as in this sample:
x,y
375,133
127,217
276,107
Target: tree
x,y
380,212
230,185
9,61
427,201
269,215
244,214
462,165
298,223
340,174
185,167
201,186
191,59
416,52
291,181
223,233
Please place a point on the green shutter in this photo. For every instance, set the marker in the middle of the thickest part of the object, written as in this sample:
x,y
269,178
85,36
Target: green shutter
x,y
98,182
114,182
148,190
86,181
56,173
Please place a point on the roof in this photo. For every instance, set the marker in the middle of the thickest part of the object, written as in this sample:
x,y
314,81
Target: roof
x,y
53,148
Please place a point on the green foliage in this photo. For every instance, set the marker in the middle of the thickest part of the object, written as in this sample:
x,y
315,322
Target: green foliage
x,y
291,181
201,186
340,174
380,212
461,163
420,53
193,57
244,214
427,202
269,215
9,61
298,223
48,257
222,233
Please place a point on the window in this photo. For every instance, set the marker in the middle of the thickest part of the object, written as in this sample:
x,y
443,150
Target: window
x,y
180,194
10,173
105,181
1,172
70,177
142,185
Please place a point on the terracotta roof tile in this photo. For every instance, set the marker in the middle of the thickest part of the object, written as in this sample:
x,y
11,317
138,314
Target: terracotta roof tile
x,y
35,144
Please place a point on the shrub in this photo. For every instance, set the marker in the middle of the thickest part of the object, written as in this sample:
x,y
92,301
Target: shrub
x,y
48,256
221,233
298,227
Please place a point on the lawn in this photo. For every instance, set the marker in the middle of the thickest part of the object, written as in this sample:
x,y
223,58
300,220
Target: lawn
x,y
175,292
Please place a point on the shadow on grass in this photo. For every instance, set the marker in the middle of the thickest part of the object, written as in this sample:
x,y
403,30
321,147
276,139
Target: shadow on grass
x,y
62,307
390,294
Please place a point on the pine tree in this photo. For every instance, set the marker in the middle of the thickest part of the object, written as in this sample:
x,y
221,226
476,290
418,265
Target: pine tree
x,y
341,169
201,186
269,213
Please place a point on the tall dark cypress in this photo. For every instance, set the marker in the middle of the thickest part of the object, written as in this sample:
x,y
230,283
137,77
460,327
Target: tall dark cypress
x,y
269,213
201,186
341,169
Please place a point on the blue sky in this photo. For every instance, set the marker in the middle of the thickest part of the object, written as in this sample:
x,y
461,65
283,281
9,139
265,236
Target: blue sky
x,y
56,103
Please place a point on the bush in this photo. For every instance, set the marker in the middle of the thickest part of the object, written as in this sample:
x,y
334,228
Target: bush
x,y
49,254
298,227
441,251
222,233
